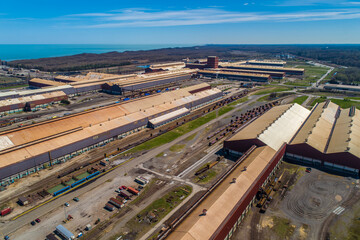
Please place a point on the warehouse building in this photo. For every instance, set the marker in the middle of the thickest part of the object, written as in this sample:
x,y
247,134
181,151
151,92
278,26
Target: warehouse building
x,y
223,207
329,138
326,136
249,77
273,75
41,83
147,82
26,150
32,102
275,127
169,117
273,63
340,87
287,71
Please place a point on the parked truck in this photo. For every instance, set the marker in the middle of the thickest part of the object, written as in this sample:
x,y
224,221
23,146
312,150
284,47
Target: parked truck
x,y
125,195
116,203
109,207
64,232
5,211
133,191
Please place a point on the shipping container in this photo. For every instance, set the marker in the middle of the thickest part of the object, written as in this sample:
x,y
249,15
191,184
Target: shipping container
x,y
116,203
125,195
140,181
109,207
133,191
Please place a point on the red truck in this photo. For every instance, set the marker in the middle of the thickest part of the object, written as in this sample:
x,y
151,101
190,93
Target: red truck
x,y
5,211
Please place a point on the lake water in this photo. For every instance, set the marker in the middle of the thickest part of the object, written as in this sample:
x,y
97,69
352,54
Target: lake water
x,y
9,52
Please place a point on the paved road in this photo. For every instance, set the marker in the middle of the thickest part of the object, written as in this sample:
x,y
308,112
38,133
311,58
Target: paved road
x,y
196,189
317,83
8,227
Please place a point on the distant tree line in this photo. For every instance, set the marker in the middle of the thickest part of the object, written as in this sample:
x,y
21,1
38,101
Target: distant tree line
x,y
349,76
345,55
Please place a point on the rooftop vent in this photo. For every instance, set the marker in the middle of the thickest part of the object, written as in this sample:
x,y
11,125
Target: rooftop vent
x,y
326,103
352,111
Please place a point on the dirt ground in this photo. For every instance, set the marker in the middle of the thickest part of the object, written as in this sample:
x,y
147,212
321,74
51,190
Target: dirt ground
x,y
311,199
86,211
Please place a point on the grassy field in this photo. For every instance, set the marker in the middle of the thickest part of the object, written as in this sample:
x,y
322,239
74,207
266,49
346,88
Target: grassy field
x,y
312,73
241,100
187,127
300,100
273,89
172,135
225,109
177,147
346,103
207,176
191,137
283,228
16,86
158,209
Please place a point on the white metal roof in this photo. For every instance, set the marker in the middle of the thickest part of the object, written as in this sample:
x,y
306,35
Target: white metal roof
x,y
169,116
284,128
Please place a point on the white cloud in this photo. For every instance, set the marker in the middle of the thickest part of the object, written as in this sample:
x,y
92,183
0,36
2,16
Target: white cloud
x,y
147,18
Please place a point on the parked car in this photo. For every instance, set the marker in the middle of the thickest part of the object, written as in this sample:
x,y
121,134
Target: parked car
x,y
67,204
37,220
123,187
33,223
308,170
6,237
76,199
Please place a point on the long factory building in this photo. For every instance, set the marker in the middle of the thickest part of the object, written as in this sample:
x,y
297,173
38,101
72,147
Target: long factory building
x,y
242,76
110,83
273,75
274,63
327,136
58,140
287,71
147,81
14,105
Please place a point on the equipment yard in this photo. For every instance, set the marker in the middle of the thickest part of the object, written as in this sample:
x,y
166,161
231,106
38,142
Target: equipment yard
x,y
305,209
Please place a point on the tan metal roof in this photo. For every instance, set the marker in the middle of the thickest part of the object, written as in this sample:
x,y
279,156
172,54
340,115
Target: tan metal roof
x,y
91,123
235,73
48,82
31,98
267,61
317,128
223,199
346,134
264,67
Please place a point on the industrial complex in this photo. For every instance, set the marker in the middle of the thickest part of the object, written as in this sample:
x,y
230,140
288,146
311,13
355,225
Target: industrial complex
x,y
214,149
59,140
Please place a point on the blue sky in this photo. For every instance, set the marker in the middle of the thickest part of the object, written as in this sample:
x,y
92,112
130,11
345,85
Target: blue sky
x,y
179,22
